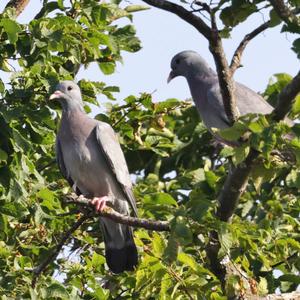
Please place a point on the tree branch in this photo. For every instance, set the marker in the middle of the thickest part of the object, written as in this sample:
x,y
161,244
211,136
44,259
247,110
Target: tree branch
x,y
40,268
285,13
234,186
229,196
286,98
19,5
110,213
225,78
236,59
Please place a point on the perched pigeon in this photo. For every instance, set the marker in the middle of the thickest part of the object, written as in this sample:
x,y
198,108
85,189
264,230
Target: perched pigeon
x,y
90,158
205,90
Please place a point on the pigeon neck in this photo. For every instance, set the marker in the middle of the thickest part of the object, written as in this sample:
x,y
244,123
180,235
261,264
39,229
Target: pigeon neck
x,y
202,78
201,71
71,107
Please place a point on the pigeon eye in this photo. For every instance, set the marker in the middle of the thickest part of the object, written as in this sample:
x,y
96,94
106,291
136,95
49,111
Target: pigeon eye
x,y
69,88
177,61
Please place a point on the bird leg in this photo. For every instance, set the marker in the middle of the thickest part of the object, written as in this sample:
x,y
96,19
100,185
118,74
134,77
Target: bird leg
x,y
99,202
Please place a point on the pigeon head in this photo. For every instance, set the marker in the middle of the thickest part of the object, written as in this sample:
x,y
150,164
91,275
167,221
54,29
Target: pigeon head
x,y
189,63
69,95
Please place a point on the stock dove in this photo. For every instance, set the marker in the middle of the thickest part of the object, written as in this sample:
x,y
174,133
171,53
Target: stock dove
x,y
90,158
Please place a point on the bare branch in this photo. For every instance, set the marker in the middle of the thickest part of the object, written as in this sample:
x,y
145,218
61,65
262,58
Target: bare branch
x,y
236,59
19,5
285,13
182,13
225,79
234,187
286,98
110,213
41,268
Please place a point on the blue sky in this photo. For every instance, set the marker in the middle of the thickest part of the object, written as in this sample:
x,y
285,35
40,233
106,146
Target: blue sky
x,y
163,35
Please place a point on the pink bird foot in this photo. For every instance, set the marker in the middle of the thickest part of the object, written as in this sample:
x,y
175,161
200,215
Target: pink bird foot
x,y
99,202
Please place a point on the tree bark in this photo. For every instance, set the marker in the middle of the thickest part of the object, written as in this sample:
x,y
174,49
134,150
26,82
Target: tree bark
x,y
19,5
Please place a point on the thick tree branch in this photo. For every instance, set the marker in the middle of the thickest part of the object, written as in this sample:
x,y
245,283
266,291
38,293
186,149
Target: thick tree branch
x,y
286,98
229,196
236,59
40,269
110,213
285,13
19,5
225,79
234,187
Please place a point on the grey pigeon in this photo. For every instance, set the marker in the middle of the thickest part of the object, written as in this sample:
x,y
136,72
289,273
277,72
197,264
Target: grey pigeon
x,y
204,86
90,158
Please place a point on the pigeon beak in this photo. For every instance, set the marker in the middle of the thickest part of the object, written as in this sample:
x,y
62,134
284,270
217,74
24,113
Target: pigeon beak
x,y
171,76
56,95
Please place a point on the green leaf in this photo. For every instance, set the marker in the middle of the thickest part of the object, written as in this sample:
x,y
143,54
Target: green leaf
x,y
187,260
233,133
226,239
12,28
158,245
170,253
3,155
183,232
3,226
296,105
135,8
240,153
107,67
290,278
274,18
160,198
166,284
237,13
97,260
263,286
56,290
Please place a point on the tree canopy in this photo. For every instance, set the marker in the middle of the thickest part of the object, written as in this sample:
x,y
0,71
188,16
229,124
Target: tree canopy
x,y
232,216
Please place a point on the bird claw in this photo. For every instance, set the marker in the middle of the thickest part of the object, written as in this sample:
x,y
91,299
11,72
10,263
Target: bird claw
x,y
99,203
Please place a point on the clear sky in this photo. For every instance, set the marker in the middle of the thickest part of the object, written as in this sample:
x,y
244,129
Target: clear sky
x,y
163,35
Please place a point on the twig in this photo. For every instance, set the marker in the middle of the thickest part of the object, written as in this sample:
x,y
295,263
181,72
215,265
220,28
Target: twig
x,y
286,98
40,268
42,168
181,281
125,114
286,260
69,213
236,59
110,213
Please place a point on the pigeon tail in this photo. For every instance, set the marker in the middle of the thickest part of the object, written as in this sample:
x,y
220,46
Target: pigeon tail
x,y
120,250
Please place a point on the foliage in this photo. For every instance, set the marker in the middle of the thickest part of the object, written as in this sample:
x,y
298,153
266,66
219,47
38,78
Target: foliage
x,y
178,172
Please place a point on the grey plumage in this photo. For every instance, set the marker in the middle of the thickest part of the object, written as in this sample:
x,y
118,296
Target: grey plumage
x,y
90,158
204,87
